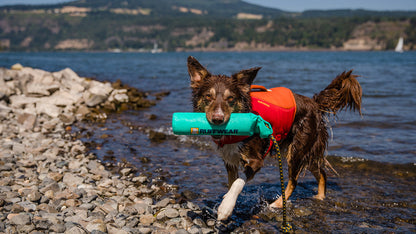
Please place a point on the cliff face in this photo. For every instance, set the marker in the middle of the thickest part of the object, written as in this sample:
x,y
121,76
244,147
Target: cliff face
x,y
377,35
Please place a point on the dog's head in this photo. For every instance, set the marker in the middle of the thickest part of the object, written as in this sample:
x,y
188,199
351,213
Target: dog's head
x,y
218,95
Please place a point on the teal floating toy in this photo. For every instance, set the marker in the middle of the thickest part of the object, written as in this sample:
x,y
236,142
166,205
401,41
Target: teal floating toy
x,y
240,124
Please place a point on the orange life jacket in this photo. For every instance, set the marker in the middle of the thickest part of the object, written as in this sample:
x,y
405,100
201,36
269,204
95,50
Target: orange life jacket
x,y
276,105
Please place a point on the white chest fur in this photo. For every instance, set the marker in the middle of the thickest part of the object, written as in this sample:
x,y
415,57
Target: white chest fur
x,y
230,154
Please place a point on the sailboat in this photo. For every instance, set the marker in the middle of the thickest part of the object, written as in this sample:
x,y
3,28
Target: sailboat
x,y
155,49
399,47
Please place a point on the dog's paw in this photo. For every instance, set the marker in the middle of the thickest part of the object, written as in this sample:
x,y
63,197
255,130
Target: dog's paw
x,y
319,197
278,204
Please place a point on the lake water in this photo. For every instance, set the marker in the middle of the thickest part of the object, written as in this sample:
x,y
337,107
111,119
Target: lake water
x,y
372,151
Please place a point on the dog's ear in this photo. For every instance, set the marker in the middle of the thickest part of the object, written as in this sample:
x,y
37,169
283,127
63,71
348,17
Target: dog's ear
x,y
196,71
245,78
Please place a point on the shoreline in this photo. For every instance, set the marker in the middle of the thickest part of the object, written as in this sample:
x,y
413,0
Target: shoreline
x,y
48,180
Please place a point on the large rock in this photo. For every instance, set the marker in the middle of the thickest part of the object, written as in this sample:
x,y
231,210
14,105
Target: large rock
x,y
21,101
42,84
17,67
48,109
19,219
97,93
70,81
63,98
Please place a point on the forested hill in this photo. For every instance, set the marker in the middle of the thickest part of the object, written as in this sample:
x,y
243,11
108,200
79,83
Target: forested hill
x,y
168,8
175,25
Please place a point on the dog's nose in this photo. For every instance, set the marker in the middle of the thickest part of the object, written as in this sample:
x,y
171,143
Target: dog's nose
x,y
218,118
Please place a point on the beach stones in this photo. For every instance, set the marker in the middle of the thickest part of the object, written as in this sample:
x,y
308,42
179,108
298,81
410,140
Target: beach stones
x,y
48,181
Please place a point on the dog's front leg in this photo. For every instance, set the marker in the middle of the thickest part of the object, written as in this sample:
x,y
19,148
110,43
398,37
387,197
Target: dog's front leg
x,y
230,198
232,172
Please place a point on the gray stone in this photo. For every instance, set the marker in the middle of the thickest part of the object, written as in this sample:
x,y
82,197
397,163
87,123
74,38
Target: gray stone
x,y
27,120
132,222
57,227
114,230
27,206
96,225
171,213
81,112
72,180
25,228
162,203
34,195
52,186
97,93
19,219
194,230
142,208
119,95
145,230
147,219
75,230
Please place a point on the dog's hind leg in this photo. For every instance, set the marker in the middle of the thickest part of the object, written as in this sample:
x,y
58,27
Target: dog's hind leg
x,y
320,176
291,185
294,171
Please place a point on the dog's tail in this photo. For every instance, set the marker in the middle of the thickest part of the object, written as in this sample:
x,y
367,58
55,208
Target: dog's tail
x,y
343,92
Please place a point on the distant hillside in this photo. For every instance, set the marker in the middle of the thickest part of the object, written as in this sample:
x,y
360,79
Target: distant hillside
x,y
175,25
355,13
165,8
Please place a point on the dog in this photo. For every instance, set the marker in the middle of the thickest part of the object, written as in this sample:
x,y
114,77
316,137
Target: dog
x,y
305,144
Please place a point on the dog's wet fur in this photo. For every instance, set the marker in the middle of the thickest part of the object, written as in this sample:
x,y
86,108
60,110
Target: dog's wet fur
x,y
304,147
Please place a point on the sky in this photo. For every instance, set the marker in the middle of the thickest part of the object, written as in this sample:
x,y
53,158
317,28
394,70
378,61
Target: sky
x,y
293,5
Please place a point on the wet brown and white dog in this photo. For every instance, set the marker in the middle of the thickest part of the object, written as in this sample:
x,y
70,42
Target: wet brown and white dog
x,y
219,96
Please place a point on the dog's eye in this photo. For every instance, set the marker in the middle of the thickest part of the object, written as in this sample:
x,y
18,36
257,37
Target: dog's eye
x,y
230,99
208,97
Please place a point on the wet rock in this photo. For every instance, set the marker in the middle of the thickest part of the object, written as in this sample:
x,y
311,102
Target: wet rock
x,y
163,203
119,95
190,195
157,136
160,95
302,211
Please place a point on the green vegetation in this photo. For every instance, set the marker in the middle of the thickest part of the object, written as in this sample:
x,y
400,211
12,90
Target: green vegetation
x,y
196,24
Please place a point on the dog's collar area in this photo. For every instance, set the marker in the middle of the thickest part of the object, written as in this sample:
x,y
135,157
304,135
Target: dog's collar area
x,y
225,140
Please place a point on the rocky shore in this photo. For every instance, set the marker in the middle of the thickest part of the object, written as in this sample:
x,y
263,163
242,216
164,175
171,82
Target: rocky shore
x,y
49,183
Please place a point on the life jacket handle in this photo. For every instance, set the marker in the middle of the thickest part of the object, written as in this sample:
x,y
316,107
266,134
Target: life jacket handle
x,y
260,87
